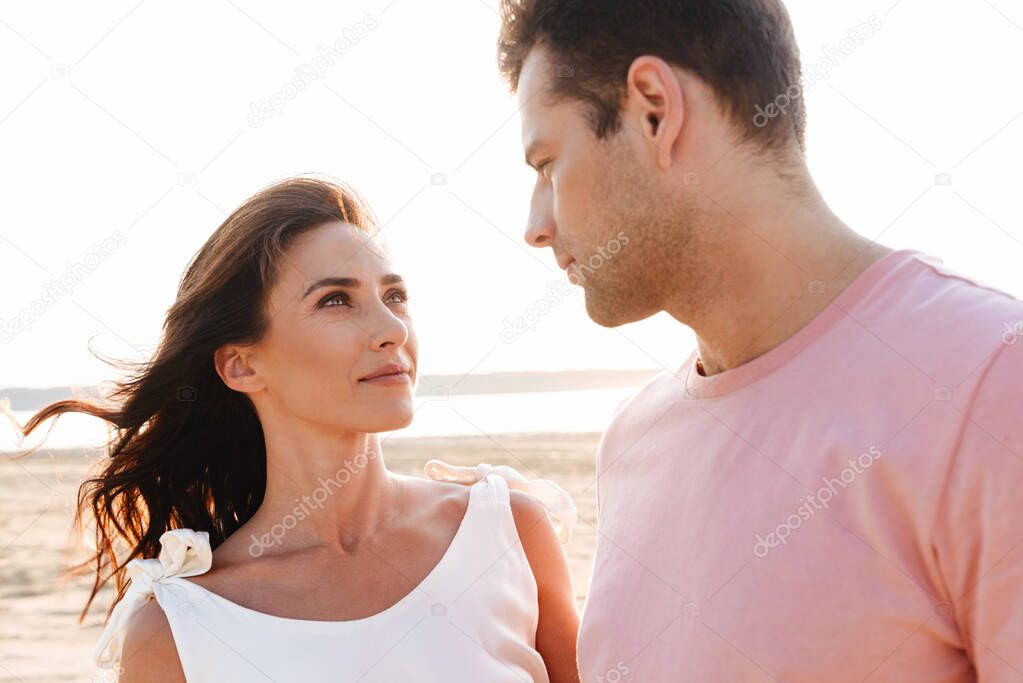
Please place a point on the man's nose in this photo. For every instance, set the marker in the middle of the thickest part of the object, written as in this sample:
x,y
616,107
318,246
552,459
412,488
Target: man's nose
x,y
540,225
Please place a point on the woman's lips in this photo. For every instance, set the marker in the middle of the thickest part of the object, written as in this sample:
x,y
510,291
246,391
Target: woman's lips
x,y
391,380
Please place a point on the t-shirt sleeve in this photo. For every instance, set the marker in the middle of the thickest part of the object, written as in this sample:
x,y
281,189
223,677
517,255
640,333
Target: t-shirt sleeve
x,y
978,535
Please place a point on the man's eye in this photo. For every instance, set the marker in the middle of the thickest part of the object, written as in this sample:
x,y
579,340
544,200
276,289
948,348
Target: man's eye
x,y
398,296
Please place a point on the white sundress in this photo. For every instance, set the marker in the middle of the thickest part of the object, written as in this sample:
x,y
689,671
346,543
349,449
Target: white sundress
x,y
473,618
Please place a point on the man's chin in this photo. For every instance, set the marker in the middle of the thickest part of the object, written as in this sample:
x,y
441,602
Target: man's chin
x,y
612,314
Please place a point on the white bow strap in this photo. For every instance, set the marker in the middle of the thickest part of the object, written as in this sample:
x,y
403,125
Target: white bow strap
x,y
183,552
560,507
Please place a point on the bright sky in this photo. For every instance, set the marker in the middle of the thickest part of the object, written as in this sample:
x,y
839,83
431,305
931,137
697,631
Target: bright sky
x,y
134,123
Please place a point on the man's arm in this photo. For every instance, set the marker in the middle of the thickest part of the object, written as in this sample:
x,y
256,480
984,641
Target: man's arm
x,y
978,537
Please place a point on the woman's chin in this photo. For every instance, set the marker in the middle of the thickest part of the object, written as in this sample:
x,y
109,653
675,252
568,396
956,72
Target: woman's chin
x,y
390,422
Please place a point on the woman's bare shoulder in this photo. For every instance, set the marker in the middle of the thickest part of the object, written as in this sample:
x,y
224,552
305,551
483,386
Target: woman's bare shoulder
x,y
558,625
535,530
149,654
437,499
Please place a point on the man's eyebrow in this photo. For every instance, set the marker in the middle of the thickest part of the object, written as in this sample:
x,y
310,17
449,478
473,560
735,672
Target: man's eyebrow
x,y
349,282
530,150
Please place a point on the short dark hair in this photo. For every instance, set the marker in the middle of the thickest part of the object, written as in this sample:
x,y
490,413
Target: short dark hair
x,y
745,50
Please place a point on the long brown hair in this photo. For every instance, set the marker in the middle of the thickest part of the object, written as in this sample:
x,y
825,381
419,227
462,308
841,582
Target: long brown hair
x,y
185,450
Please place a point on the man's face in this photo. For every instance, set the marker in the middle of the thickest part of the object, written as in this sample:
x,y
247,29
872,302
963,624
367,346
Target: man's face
x,y
600,205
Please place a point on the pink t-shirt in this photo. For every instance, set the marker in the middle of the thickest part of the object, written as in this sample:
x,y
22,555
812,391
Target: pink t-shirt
x,y
846,507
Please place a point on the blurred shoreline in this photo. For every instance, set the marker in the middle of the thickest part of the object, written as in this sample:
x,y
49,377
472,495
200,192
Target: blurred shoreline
x,y
33,398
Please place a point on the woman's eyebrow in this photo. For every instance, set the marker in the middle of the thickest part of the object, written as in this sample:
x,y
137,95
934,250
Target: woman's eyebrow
x,y
349,282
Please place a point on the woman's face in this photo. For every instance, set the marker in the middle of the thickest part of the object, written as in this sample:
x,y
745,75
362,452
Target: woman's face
x,y
339,314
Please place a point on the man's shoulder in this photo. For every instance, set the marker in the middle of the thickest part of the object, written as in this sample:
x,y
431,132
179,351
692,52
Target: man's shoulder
x,y
641,407
944,322
930,290
652,390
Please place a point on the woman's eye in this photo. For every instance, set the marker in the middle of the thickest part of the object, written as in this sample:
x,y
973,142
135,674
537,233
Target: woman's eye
x,y
339,298
342,299
543,168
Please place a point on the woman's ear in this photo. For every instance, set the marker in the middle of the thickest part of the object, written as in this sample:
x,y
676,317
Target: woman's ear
x,y
234,365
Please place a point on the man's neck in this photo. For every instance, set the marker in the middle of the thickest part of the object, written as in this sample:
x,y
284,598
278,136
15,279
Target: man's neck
x,y
767,293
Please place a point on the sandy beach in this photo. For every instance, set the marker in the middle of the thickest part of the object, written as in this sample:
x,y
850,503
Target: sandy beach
x,y
41,639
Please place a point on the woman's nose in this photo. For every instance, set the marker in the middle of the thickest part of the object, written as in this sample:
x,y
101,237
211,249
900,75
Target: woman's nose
x,y
391,331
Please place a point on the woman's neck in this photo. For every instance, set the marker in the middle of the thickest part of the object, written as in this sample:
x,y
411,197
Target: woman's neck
x,y
323,491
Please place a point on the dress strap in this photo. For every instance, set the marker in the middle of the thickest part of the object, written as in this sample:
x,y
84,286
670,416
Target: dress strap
x,y
183,552
560,507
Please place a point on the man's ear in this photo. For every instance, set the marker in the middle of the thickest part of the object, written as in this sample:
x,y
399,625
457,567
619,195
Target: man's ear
x,y
234,365
656,103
